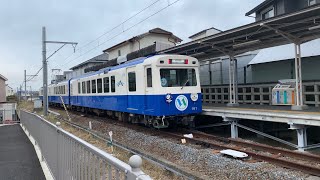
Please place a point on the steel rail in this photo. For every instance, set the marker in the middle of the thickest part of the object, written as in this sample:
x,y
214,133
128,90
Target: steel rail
x,y
262,147
276,160
282,162
163,164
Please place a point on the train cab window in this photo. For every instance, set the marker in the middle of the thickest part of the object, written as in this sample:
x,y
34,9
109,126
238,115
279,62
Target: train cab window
x,y
113,84
132,81
106,85
79,89
99,85
88,87
178,77
83,87
94,87
149,77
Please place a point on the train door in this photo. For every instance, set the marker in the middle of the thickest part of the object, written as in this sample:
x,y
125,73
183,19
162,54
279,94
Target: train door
x,y
133,99
148,90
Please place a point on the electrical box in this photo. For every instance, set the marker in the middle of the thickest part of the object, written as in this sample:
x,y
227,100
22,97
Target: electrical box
x,y
284,93
37,104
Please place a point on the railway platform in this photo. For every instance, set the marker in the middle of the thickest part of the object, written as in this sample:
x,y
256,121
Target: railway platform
x,y
18,158
296,120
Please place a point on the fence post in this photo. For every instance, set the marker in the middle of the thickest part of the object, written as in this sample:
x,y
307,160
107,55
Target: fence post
x,y
58,124
135,163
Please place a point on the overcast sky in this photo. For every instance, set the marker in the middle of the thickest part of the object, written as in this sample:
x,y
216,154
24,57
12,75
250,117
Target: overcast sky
x,y
85,20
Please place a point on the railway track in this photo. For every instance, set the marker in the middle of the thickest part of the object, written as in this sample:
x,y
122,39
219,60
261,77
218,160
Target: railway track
x,y
257,151
163,164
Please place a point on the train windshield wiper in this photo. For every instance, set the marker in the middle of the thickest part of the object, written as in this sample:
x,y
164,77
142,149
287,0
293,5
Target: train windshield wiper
x,y
185,83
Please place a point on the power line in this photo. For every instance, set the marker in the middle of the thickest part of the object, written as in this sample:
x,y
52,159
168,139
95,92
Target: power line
x,y
115,27
119,24
120,33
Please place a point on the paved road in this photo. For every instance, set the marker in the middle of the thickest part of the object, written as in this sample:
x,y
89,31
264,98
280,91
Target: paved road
x,y
18,159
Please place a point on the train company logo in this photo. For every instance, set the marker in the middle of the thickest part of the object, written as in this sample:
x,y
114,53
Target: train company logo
x,y
120,83
181,102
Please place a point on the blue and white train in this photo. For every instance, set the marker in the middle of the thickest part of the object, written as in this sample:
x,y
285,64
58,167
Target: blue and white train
x,y
156,91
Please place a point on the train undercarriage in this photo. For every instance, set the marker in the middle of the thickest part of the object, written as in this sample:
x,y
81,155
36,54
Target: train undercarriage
x,y
158,122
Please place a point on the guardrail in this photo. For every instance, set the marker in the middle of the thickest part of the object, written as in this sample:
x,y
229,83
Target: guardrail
x,y
257,93
69,157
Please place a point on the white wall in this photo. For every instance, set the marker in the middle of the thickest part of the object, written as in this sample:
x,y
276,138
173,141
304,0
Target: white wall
x,y
142,43
9,91
208,32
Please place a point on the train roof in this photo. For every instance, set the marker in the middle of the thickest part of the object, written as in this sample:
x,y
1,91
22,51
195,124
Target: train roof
x,y
130,63
107,69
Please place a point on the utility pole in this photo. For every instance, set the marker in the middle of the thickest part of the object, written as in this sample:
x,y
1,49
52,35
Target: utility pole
x,y
20,93
45,67
25,85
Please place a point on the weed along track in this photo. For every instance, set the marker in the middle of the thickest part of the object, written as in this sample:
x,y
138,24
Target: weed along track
x,y
192,160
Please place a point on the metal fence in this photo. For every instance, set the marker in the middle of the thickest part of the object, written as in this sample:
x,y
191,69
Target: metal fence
x,y
258,94
69,157
8,113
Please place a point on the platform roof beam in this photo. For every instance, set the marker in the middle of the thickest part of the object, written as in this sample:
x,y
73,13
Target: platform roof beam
x,y
298,66
297,27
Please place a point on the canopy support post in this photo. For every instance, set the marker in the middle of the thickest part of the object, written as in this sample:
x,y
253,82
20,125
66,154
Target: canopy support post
x,y
233,82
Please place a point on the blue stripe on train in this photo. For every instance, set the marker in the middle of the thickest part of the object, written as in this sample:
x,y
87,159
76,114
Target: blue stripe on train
x,y
153,105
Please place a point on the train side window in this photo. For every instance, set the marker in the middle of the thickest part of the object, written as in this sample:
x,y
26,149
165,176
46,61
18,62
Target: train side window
x,y
106,85
113,84
64,89
94,87
88,87
99,85
83,87
79,89
149,77
132,81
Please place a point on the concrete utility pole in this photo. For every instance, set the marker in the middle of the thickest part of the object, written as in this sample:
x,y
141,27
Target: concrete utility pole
x,y
45,67
45,72
25,85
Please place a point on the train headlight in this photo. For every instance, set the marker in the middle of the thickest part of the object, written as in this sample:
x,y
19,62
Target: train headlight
x,y
168,98
194,96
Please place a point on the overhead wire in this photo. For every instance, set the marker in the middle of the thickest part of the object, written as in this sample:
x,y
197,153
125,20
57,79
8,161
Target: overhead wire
x,y
170,4
107,32
115,27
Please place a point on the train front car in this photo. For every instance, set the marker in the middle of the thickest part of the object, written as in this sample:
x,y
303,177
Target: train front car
x,y
175,96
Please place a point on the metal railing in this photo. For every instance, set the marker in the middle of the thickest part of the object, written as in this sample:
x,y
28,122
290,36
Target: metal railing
x,y
258,93
69,157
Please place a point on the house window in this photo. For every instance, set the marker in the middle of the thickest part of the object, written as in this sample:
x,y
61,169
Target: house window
x,y
99,84
149,77
268,13
119,52
113,84
106,84
312,2
132,81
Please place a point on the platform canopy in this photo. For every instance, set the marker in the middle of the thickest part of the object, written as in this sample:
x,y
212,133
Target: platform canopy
x,y
285,52
297,27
